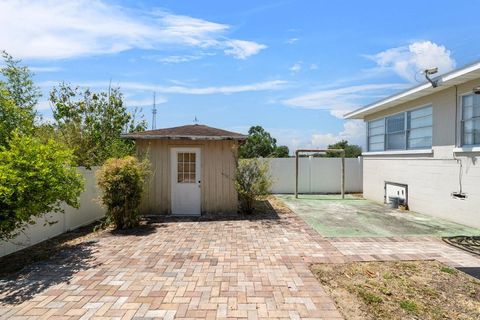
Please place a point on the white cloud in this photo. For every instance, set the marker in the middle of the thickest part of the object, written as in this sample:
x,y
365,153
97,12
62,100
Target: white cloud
x,y
140,86
291,40
241,49
409,61
353,131
45,69
175,59
313,66
297,66
144,102
341,100
56,29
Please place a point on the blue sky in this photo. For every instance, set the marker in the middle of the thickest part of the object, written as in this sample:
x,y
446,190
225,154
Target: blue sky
x,y
294,67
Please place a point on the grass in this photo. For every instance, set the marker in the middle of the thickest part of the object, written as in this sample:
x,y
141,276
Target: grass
x,y
408,305
400,290
369,297
448,270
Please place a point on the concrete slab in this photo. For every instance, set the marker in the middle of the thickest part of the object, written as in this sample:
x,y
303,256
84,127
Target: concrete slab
x,y
353,216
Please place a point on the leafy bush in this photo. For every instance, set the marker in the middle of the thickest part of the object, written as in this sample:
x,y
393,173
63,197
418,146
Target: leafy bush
x,y
252,182
122,182
35,178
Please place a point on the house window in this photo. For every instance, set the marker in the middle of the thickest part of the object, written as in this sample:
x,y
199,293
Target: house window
x,y
186,167
406,130
395,132
419,126
471,119
376,135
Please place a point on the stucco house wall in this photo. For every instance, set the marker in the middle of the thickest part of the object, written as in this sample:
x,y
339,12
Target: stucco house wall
x,y
432,176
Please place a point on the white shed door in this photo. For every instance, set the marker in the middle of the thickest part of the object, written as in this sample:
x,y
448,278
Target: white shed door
x,y
186,176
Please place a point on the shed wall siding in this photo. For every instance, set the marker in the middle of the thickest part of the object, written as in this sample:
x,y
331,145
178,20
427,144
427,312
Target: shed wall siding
x,y
218,170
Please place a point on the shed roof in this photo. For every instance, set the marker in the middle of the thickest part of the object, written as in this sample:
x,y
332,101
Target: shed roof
x,y
453,78
188,132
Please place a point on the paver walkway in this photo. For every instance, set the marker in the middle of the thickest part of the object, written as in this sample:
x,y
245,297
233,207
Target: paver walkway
x,y
403,248
253,269
203,269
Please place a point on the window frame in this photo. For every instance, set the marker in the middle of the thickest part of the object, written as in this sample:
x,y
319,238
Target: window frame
x,y
462,121
404,113
375,135
406,130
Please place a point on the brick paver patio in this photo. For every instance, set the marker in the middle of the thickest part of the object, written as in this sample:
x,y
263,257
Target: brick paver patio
x,y
218,269
201,269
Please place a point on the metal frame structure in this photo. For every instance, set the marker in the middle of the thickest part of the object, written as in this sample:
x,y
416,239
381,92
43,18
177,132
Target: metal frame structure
x,y
342,153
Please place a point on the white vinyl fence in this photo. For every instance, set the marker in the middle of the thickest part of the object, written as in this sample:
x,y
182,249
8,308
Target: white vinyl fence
x,y
90,210
316,175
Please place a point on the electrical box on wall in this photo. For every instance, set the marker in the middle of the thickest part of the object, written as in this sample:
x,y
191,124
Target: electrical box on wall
x,y
396,194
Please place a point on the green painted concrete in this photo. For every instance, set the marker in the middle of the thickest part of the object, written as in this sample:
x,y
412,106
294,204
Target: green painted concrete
x,y
333,216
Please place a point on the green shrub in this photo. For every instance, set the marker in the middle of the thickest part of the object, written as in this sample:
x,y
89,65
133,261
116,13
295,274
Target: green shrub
x,y
35,178
122,183
252,182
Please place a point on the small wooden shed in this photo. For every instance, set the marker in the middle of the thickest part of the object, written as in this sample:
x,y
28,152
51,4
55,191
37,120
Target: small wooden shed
x,y
193,169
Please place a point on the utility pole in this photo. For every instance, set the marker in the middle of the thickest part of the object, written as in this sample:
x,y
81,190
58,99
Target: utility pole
x,y
154,113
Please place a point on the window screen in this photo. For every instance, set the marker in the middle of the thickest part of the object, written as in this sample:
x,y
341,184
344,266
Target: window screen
x,y
186,167
420,128
471,119
376,135
395,132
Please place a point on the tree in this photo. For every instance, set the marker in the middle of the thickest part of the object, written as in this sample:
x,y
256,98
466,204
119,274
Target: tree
x,y
18,97
36,175
281,152
260,143
351,150
19,84
91,123
13,117
35,179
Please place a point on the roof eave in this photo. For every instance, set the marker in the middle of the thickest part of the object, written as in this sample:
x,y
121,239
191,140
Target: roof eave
x,y
446,81
361,112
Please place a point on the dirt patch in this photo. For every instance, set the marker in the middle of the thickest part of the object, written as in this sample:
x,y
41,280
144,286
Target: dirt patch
x,y
400,290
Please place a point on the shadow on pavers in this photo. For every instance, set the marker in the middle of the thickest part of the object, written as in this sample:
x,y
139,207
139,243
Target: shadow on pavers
x,y
33,279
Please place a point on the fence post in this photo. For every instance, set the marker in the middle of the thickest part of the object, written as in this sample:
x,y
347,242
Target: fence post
x,y
343,175
296,174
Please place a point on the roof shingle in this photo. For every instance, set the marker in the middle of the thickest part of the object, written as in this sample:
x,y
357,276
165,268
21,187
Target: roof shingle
x,y
189,132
